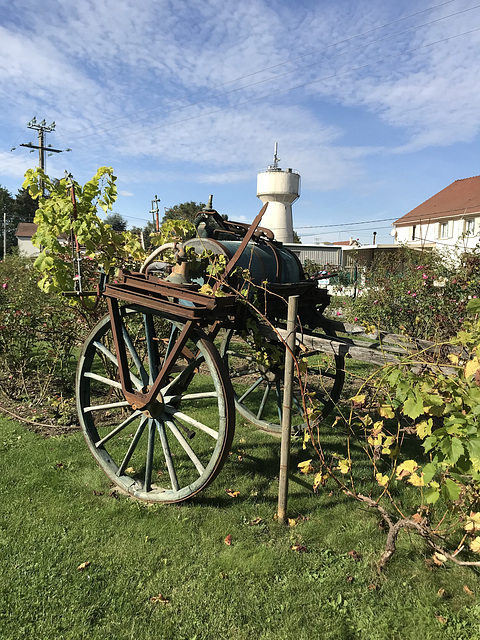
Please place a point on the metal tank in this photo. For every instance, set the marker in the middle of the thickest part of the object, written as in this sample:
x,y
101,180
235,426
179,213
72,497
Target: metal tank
x,y
266,261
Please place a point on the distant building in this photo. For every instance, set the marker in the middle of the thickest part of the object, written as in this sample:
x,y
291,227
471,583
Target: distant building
x,y
24,234
447,218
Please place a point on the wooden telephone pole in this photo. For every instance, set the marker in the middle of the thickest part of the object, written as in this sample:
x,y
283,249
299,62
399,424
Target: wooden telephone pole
x,y
42,129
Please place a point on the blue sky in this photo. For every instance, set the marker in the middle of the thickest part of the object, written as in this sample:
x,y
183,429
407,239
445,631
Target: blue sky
x,y
374,102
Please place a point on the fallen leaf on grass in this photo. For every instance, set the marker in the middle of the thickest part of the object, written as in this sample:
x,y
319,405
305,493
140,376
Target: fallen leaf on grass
x,y
97,493
441,593
439,559
417,518
113,493
354,554
441,619
228,540
299,547
255,521
467,590
129,470
83,566
161,599
292,522
231,493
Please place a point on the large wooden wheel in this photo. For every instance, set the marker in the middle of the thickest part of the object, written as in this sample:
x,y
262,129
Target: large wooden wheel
x,y
176,448
259,389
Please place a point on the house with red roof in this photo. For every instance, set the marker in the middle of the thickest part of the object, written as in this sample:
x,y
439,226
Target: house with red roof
x,y
451,217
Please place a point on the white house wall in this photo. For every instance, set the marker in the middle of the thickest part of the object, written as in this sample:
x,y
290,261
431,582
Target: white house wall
x,y
445,233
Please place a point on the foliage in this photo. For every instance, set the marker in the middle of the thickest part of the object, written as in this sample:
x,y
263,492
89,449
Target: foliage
x,y
116,221
419,425
56,216
19,209
38,336
422,294
183,211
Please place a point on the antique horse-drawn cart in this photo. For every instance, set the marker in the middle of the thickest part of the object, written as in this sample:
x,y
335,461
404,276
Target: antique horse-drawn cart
x,y
160,376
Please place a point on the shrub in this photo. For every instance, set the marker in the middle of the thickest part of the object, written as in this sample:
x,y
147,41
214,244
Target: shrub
x,y
422,294
38,335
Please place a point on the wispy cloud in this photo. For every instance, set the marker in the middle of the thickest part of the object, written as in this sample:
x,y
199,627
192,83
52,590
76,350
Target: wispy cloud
x,y
210,85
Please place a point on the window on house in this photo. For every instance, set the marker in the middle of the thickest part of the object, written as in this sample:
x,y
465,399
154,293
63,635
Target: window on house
x,y
443,230
414,228
470,227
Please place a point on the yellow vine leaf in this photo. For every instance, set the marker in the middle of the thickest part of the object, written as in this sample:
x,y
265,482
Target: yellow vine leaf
x,y
319,479
375,441
424,428
472,367
475,545
206,289
473,522
406,468
343,466
306,439
305,466
386,411
359,400
416,480
453,358
381,479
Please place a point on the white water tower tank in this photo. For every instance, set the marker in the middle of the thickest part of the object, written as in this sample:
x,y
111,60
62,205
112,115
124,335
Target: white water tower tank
x,y
280,188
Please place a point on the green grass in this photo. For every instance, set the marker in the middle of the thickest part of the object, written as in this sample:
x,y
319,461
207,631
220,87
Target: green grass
x,y
56,513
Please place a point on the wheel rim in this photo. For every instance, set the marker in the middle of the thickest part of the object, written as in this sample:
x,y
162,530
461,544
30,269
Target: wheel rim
x,y
259,390
178,448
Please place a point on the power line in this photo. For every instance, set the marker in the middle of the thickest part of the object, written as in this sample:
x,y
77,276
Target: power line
x,y
350,224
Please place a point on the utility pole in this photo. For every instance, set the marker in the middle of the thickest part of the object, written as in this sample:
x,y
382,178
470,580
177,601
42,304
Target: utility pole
x,y
154,211
42,129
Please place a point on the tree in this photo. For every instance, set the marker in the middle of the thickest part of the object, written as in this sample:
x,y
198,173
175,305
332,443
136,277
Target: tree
x,y
19,209
184,211
6,211
25,206
117,222
296,238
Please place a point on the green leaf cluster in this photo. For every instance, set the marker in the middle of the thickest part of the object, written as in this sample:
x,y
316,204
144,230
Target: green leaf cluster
x,y
60,225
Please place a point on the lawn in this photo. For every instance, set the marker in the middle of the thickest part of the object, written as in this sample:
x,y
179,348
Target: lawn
x,y
167,572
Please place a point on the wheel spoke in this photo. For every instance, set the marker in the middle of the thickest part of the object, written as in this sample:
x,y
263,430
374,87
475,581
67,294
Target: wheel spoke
x,y
181,381
254,384
252,388
108,381
168,456
121,426
191,421
103,407
264,400
149,460
106,352
133,352
186,447
132,447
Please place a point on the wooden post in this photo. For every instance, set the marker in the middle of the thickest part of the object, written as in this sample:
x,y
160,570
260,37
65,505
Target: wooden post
x,y
287,409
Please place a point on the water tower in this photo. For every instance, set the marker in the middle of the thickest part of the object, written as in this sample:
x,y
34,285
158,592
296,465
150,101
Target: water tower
x,y
280,189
